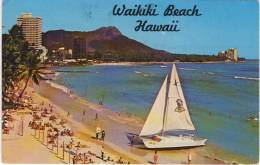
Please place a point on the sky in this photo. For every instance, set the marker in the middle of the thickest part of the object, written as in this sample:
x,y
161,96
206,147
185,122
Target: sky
x,y
223,24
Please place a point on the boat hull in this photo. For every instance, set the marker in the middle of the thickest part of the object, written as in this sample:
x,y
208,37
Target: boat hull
x,y
166,142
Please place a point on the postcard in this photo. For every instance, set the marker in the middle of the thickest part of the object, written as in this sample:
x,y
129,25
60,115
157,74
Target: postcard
x,y
130,82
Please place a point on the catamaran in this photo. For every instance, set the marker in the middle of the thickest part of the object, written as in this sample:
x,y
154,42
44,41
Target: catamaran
x,y
168,124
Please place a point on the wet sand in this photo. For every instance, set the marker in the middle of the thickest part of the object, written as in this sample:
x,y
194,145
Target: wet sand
x,y
116,126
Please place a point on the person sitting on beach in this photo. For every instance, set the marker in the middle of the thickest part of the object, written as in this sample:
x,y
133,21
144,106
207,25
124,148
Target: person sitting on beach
x,y
63,132
45,110
62,122
120,161
78,145
42,126
90,161
52,118
69,146
80,158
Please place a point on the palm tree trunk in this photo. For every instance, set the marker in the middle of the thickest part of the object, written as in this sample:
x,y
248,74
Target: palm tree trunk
x,y
26,83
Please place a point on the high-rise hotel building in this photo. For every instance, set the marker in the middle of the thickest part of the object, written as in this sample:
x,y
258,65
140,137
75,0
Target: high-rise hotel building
x,y
31,29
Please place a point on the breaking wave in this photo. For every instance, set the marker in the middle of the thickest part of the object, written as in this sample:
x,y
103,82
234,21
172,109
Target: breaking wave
x,y
60,87
187,69
247,78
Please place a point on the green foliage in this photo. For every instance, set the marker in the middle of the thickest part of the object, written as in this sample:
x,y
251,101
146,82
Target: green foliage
x,y
14,48
20,63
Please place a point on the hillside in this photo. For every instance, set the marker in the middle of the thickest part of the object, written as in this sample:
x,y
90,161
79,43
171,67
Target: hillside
x,y
110,41
105,40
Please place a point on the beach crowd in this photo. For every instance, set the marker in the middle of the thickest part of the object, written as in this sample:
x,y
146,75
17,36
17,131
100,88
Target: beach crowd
x,y
53,131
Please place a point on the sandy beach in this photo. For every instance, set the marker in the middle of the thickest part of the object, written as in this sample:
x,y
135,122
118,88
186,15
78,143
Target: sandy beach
x,y
115,124
29,141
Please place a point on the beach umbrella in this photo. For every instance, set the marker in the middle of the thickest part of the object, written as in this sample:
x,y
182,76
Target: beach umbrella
x,y
72,152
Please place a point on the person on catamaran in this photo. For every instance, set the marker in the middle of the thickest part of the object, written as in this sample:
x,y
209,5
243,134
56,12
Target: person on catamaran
x,y
155,157
132,141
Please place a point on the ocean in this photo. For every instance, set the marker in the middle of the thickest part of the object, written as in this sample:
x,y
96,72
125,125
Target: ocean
x,y
220,97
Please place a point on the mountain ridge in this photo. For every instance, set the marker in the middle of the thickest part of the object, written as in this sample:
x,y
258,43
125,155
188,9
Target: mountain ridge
x,y
109,41
102,40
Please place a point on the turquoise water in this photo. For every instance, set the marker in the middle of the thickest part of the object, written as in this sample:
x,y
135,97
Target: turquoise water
x,y
220,97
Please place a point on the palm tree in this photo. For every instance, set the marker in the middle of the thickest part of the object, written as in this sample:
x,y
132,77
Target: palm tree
x,y
31,69
14,52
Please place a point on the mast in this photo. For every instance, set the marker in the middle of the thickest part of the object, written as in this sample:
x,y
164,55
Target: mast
x,y
166,104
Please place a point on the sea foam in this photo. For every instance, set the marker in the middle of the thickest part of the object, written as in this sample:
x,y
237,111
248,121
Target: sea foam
x,y
247,78
187,69
57,86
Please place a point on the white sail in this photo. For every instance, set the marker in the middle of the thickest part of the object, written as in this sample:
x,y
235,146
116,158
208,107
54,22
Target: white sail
x,y
154,121
177,116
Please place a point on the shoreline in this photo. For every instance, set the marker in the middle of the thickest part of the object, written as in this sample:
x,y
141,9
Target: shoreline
x,y
134,63
150,63
123,119
85,133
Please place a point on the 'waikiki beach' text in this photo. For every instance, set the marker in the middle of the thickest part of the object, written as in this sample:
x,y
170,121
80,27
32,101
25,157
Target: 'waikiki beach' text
x,y
151,10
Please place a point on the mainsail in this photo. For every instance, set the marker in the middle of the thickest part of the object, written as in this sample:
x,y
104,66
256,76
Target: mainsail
x,y
154,121
176,114
169,111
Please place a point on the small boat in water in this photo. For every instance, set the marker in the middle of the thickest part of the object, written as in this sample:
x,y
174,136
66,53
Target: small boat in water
x,y
163,66
168,124
137,72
